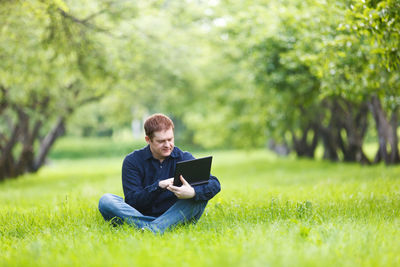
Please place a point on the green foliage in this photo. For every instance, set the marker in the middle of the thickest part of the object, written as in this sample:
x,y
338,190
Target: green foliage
x,y
271,211
376,24
53,62
47,53
231,73
379,21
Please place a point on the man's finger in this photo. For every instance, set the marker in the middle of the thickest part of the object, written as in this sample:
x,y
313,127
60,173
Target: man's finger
x,y
172,188
183,180
175,191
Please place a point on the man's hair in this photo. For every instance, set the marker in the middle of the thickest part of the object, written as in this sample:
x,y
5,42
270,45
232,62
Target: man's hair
x,y
157,122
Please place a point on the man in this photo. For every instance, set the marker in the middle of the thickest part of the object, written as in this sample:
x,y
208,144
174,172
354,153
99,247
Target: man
x,y
152,202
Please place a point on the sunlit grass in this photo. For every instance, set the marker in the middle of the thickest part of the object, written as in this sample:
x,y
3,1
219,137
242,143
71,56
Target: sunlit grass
x,y
271,211
99,147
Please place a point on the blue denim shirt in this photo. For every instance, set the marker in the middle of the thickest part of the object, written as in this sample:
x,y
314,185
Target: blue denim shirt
x,y
141,173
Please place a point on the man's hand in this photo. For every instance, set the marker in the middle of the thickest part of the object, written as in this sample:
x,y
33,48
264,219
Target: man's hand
x,y
165,183
185,191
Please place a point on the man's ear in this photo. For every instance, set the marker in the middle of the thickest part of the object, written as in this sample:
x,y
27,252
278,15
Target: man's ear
x,y
147,139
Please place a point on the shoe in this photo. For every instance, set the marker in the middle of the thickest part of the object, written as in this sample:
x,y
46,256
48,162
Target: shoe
x,y
145,230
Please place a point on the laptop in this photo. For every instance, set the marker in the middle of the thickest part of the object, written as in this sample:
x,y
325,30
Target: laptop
x,y
195,171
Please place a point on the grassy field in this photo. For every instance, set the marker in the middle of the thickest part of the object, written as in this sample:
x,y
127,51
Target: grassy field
x,y
271,212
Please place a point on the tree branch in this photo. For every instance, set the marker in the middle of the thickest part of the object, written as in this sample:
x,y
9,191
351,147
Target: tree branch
x,y
3,101
84,22
92,16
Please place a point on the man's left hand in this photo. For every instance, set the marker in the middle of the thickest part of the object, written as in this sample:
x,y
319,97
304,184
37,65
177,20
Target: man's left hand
x,y
185,191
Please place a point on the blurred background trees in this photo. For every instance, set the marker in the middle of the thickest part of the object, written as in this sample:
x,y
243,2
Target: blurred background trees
x,y
292,75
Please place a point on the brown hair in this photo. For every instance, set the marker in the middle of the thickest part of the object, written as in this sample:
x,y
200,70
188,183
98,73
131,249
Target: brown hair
x,y
157,122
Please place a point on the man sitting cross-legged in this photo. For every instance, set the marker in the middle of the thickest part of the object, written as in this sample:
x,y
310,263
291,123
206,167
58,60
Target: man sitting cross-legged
x,y
152,202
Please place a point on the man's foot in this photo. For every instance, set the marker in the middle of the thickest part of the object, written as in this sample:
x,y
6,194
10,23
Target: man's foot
x,y
146,230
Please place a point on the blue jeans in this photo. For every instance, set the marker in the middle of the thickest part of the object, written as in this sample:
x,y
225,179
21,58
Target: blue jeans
x,y
113,208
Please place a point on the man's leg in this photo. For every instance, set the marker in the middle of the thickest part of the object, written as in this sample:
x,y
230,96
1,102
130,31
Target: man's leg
x,y
114,208
184,210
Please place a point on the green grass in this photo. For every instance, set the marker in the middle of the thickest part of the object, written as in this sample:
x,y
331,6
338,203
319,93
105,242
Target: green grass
x,y
271,212
99,147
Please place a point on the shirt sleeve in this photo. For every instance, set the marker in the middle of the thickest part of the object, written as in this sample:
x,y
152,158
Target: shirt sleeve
x,y
207,191
136,195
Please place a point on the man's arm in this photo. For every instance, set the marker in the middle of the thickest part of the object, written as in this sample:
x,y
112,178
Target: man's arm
x,y
135,193
207,191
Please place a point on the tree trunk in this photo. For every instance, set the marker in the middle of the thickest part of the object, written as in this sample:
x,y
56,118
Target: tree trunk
x,y
394,155
22,124
27,156
355,126
302,146
329,133
7,165
27,150
48,141
387,132
329,143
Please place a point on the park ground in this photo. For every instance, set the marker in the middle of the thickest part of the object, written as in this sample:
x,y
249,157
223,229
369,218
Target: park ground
x,y
272,211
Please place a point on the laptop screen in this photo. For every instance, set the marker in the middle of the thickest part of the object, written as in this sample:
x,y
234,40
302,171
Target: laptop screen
x,y
195,171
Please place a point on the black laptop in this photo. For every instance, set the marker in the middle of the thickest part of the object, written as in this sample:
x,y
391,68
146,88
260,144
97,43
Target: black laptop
x,y
195,171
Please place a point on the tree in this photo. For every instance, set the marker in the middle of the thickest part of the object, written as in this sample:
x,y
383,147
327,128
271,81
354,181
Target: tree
x,y
52,63
378,22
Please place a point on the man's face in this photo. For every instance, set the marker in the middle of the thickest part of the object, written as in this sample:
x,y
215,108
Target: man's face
x,y
162,144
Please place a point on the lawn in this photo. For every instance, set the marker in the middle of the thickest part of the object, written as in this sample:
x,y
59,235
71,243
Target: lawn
x,y
271,211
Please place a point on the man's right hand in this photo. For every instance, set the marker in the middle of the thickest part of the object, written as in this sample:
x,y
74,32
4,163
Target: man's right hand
x,y
165,183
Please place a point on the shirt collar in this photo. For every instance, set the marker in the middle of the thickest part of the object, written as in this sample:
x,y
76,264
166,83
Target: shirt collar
x,y
174,153
149,155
